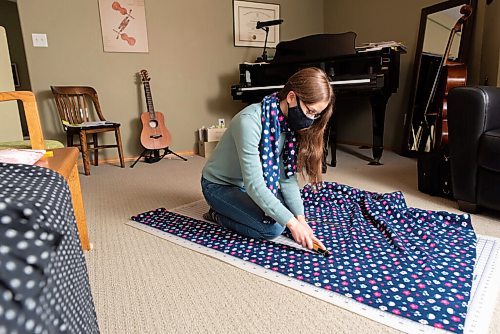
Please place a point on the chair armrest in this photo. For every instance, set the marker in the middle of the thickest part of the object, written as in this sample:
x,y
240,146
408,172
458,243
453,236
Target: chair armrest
x,y
32,117
471,112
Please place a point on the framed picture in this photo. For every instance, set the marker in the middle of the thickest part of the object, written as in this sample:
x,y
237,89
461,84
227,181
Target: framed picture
x,y
15,75
123,26
245,17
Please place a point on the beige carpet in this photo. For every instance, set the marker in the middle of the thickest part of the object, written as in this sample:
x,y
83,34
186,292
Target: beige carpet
x,y
144,284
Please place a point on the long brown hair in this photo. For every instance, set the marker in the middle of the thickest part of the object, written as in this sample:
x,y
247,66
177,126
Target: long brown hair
x,y
311,85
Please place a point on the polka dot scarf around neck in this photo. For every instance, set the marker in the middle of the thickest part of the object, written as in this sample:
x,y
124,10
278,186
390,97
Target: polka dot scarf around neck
x,y
273,124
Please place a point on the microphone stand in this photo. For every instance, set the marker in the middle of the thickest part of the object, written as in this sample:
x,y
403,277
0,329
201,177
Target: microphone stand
x,y
264,53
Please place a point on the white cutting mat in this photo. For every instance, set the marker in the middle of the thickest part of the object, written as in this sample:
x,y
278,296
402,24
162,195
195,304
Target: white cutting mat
x,y
484,292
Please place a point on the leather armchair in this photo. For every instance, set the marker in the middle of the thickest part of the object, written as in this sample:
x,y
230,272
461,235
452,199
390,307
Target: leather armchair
x,y
474,143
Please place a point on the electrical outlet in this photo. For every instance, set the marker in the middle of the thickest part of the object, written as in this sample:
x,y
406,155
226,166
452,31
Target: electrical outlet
x,y
40,40
222,123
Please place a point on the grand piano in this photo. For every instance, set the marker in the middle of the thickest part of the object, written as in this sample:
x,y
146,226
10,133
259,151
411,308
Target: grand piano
x,y
369,71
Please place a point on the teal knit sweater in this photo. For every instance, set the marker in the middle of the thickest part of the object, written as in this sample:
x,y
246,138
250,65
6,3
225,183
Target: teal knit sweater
x,y
236,161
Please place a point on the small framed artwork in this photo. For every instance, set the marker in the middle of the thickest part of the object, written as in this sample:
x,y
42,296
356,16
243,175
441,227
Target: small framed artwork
x,y
123,26
246,14
15,75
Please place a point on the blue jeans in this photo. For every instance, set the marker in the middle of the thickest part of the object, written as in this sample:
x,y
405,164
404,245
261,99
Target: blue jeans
x,y
236,211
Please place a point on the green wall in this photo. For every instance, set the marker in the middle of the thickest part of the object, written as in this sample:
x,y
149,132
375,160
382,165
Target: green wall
x,y
490,55
192,61
399,21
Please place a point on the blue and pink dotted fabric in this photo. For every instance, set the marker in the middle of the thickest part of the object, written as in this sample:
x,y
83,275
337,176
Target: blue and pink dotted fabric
x,y
273,125
410,262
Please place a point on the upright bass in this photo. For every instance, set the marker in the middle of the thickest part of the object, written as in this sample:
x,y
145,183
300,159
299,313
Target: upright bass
x,y
450,74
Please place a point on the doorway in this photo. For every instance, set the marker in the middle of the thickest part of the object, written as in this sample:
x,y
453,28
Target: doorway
x,y
9,19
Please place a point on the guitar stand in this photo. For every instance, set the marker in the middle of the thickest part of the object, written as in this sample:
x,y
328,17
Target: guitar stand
x,y
152,156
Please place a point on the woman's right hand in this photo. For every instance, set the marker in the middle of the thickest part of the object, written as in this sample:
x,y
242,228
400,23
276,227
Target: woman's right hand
x,y
302,233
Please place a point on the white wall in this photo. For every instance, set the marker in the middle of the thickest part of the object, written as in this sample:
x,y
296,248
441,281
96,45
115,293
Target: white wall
x,y
437,33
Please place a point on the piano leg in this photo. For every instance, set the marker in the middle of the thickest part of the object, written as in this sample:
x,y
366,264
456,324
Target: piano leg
x,y
378,103
325,148
329,140
332,132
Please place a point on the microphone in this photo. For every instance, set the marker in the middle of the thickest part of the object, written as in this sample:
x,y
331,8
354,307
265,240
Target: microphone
x,y
263,24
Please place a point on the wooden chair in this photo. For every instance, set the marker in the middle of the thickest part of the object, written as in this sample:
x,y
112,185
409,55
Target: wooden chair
x,y
64,161
73,107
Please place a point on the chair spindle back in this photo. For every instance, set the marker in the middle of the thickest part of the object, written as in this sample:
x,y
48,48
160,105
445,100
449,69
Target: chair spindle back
x,y
72,104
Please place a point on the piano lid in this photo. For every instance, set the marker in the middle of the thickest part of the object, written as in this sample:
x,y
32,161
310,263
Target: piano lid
x,y
315,47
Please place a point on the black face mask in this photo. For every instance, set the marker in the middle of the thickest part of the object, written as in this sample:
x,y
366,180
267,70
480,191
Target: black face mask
x,y
297,120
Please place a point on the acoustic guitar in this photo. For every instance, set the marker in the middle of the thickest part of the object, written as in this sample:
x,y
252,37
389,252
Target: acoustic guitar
x,y
154,135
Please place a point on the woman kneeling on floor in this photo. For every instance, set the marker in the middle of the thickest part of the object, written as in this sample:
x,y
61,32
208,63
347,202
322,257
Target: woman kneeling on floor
x,y
250,180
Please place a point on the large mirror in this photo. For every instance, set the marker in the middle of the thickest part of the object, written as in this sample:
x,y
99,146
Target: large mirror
x,y
436,24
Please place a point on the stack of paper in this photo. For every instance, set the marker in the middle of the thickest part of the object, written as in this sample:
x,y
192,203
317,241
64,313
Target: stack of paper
x,y
379,46
87,124
21,156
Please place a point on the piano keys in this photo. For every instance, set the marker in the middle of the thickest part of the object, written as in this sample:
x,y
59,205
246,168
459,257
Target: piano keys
x,y
371,72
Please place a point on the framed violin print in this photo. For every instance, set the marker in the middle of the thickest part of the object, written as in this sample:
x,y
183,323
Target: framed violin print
x,y
123,26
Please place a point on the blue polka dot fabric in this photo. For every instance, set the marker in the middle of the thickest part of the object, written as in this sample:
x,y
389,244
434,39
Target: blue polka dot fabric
x,y
44,284
273,124
410,262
